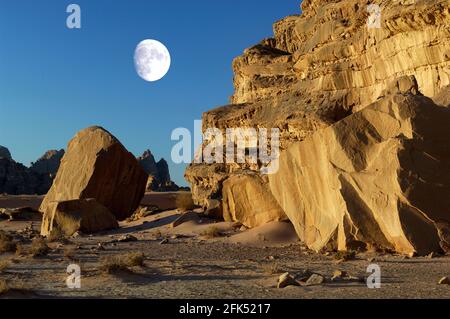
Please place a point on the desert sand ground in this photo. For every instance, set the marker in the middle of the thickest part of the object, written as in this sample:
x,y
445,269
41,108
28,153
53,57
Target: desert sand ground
x,y
189,262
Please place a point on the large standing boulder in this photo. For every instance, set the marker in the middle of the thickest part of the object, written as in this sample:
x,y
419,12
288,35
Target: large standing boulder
x,y
68,217
380,177
247,199
96,165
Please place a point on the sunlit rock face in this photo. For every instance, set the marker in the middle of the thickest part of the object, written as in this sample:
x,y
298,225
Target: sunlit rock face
x,y
330,50
349,174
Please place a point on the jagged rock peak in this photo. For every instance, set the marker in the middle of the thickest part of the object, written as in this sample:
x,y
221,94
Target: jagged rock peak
x,y
48,163
4,153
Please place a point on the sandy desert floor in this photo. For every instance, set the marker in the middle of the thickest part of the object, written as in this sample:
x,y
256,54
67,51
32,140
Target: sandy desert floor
x,y
184,262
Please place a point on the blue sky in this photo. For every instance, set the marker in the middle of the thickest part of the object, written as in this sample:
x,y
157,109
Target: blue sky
x,y
55,81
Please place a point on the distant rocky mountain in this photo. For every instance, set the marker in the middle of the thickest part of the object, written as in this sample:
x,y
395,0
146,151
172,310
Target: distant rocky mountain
x,y
48,163
4,153
16,178
159,176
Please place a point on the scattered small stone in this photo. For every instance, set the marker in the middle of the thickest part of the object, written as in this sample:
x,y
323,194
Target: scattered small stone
x,y
339,275
76,235
237,225
303,276
342,256
174,237
412,255
127,238
286,280
315,280
186,217
444,281
243,228
164,241
100,246
271,257
371,260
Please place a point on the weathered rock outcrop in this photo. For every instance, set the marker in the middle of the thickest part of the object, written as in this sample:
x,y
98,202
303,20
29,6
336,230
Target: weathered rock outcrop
x,y
248,200
96,165
69,217
158,173
378,177
314,76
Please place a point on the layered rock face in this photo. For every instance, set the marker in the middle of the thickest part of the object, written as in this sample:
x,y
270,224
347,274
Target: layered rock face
x,y
329,50
158,173
349,173
96,165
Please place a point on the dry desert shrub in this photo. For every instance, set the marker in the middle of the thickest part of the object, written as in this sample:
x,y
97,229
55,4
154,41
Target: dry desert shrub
x,y
17,286
20,250
345,255
69,253
39,247
117,263
211,232
4,264
66,226
135,259
184,201
4,288
7,244
56,235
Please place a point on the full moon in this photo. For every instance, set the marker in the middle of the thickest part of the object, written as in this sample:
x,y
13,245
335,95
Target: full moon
x,y
151,60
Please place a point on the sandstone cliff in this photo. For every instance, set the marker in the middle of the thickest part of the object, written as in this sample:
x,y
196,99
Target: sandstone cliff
x,y
362,161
